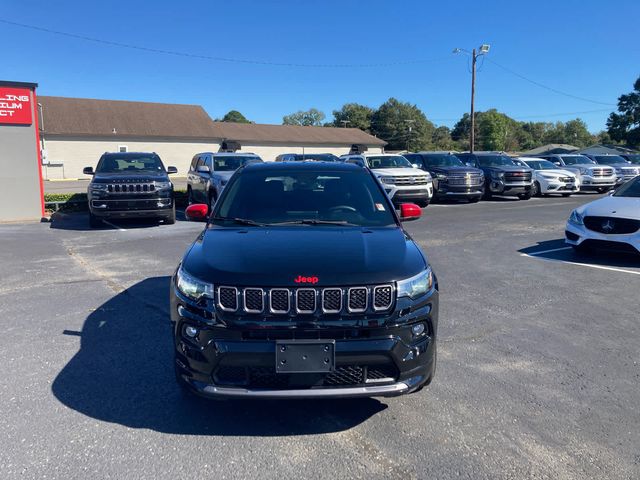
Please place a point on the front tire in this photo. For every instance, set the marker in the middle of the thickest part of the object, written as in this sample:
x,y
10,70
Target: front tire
x,y
525,196
474,199
536,189
189,196
487,193
566,195
422,203
171,219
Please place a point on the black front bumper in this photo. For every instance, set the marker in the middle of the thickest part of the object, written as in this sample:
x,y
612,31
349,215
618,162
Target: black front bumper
x,y
373,357
445,190
131,207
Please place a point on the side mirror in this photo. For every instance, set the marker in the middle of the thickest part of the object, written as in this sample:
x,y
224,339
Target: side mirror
x,y
409,211
611,192
197,212
415,165
171,170
203,169
88,170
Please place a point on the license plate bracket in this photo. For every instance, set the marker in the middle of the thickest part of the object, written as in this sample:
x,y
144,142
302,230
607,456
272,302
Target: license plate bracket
x,y
305,356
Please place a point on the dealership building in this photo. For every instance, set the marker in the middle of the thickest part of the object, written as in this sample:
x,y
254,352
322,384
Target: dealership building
x,y
76,131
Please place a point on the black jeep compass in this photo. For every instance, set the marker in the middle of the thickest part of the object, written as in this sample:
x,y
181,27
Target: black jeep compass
x,y
130,185
304,284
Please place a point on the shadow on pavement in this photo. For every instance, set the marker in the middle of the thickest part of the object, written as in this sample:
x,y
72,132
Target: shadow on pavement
x,y
123,373
560,251
79,221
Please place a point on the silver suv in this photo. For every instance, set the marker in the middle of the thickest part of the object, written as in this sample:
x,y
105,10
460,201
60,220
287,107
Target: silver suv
x,y
592,176
209,173
400,179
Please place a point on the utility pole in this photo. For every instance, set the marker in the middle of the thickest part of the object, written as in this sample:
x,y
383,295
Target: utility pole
x,y
484,49
472,134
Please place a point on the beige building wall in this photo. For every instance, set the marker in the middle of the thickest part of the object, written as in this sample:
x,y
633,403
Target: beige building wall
x,y
67,156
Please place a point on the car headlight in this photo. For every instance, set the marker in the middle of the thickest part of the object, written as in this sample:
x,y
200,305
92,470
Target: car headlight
x,y
583,171
441,176
576,218
497,175
386,180
191,286
163,185
98,186
417,285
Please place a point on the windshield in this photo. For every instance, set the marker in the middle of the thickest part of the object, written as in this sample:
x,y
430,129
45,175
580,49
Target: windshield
x,y
633,159
229,163
282,196
388,161
129,163
442,161
629,189
576,160
541,165
318,157
610,159
494,161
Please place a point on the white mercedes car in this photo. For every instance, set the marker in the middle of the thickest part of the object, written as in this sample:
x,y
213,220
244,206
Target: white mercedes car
x,y
610,223
548,178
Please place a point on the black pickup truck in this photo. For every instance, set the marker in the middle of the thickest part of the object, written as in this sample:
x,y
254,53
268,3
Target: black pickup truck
x,y
130,185
451,177
502,176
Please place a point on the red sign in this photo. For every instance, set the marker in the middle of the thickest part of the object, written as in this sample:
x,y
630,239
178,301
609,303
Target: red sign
x,y
301,279
15,106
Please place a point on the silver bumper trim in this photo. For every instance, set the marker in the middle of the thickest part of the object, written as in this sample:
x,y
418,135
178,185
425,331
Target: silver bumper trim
x,y
373,391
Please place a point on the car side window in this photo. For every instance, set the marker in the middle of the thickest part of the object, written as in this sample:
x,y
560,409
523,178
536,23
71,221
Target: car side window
x,y
194,162
200,162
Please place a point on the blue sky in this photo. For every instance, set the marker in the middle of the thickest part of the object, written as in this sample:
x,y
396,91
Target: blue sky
x,y
585,48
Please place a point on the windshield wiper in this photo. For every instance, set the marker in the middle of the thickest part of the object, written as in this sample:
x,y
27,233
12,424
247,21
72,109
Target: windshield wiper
x,y
311,221
241,221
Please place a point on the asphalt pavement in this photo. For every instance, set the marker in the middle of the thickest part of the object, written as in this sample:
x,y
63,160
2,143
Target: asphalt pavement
x,y
538,367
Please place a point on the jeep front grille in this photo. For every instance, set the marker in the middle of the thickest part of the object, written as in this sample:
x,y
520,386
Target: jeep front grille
x,y
131,188
305,301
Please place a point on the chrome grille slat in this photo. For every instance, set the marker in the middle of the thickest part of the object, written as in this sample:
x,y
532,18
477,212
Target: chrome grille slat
x,y
253,300
382,297
228,299
279,300
131,188
305,300
332,300
358,299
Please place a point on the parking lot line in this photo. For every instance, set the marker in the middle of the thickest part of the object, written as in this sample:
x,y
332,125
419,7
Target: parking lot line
x,y
600,267
548,251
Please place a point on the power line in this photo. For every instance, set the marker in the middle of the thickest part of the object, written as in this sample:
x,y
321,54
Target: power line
x,y
564,114
546,87
217,58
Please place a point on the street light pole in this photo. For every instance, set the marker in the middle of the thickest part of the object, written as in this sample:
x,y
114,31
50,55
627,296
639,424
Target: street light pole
x,y
472,134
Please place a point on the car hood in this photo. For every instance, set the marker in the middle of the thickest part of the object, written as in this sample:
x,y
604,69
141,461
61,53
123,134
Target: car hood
x,y
223,175
455,170
621,207
556,171
263,257
508,168
130,177
398,172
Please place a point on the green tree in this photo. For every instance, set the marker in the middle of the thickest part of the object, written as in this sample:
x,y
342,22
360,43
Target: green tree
x,y
235,116
402,125
576,133
462,128
355,116
441,139
625,125
493,130
311,117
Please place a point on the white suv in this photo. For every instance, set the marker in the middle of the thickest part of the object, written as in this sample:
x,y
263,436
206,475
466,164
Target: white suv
x,y
400,179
